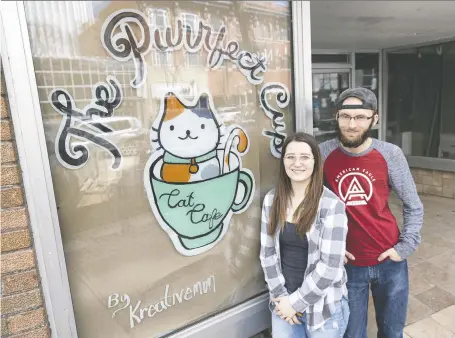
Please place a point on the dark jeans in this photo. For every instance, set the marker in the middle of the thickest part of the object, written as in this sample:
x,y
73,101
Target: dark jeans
x,y
390,289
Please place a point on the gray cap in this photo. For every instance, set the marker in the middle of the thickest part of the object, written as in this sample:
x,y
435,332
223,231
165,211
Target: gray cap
x,y
368,98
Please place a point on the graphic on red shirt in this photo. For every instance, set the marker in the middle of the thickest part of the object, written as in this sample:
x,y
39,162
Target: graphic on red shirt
x,y
355,194
362,183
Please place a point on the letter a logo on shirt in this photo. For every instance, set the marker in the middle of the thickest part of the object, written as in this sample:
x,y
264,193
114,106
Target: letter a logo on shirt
x,y
356,193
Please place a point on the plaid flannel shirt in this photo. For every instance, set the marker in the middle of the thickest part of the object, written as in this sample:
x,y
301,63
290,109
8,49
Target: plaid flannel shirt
x,y
325,279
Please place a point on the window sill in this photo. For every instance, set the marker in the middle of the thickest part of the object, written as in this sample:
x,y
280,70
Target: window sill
x,y
432,163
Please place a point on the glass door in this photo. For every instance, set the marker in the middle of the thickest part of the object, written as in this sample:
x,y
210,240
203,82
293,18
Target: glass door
x,y
328,84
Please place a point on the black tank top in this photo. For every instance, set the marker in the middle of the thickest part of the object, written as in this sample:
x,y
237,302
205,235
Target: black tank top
x,y
294,256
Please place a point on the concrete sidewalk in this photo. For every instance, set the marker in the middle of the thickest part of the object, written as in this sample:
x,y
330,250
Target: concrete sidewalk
x,y
431,309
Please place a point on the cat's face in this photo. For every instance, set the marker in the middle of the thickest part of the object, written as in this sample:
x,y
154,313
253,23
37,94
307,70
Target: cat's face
x,y
188,132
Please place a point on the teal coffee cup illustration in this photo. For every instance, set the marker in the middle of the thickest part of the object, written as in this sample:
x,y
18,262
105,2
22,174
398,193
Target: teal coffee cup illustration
x,y
196,215
194,178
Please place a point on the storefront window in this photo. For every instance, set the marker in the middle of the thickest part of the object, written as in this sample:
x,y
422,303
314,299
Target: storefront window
x,y
367,72
162,142
420,116
327,87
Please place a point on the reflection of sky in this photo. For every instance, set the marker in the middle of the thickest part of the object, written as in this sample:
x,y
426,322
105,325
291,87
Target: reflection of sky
x,y
281,3
98,6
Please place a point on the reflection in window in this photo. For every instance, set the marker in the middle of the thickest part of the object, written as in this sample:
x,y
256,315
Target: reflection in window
x,y
327,87
366,71
216,22
420,113
285,33
190,21
158,18
192,59
277,31
286,61
162,58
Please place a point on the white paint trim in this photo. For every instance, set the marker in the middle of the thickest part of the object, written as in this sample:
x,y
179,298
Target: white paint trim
x,y
36,174
303,89
244,320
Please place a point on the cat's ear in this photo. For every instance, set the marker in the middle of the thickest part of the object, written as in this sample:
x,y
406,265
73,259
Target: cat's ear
x,y
173,107
204,101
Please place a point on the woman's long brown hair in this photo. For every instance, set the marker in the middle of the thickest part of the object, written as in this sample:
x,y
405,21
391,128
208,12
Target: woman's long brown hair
x,y
306,212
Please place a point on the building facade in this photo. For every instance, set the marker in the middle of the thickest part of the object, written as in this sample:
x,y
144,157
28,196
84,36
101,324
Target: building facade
x,y
147,135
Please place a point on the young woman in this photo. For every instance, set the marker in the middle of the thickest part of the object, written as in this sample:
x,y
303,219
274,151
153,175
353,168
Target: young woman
x,y
303,241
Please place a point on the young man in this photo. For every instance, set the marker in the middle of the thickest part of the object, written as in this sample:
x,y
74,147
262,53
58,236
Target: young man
x,y
362,171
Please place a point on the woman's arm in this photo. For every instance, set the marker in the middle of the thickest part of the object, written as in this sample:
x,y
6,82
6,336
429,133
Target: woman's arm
x,y
329,268
268,255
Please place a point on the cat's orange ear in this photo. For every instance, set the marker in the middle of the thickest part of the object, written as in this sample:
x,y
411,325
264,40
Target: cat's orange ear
x,y
173,107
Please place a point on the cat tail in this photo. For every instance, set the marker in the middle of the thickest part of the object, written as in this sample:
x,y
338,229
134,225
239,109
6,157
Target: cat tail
x,y
239,135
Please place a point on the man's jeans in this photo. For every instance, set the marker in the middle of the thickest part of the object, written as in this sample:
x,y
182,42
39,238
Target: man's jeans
x,y
390,289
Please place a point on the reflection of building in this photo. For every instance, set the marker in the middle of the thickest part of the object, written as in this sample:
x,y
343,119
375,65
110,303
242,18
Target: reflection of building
x,y
262,30
54,25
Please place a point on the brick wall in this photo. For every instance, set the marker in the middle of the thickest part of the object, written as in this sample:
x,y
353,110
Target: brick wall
x,y
434,182
22,307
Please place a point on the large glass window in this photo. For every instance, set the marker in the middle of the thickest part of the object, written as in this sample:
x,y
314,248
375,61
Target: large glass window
x,y
327,87
367,72
421,83
161,149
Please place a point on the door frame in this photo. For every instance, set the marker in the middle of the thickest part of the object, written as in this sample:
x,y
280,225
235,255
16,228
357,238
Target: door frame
x,y
36,174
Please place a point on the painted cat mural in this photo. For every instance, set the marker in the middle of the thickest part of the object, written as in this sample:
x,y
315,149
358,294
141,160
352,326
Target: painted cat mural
x,y
194,178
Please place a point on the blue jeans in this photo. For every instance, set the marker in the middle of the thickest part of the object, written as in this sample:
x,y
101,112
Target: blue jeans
x,y
390,290
333,328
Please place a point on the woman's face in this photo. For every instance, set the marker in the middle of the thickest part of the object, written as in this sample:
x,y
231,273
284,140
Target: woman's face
x,y
298,161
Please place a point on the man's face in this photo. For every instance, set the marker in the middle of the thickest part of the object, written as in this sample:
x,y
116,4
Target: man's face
x,y
354,125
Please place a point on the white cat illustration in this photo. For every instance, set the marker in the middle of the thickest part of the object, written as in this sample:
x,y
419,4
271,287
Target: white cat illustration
x,y
190,136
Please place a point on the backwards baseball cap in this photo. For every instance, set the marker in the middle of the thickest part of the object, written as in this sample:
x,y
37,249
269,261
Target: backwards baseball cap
x,y
368,98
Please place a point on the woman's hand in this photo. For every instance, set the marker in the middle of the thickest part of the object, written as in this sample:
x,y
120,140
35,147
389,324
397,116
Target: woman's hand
x,y
348,256
285,310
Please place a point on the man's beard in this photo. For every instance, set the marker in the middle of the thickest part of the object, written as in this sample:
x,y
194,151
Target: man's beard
x,y
356,142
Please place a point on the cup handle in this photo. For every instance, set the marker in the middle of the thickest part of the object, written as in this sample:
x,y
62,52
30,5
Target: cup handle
x,y
247,182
